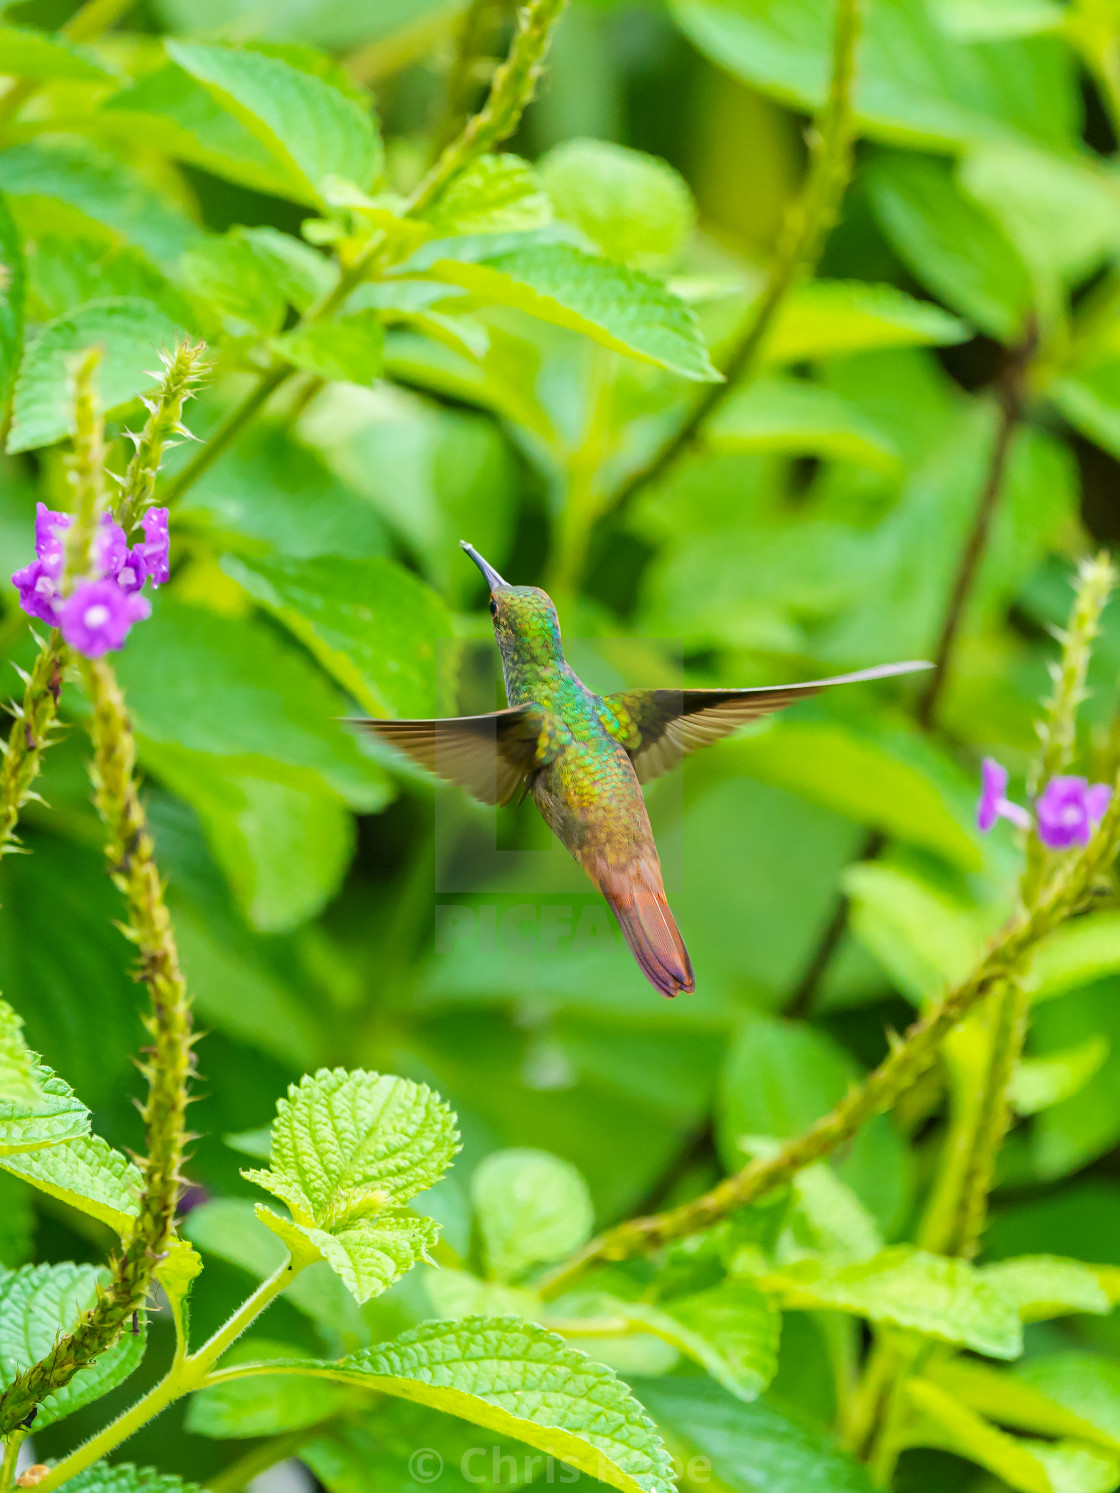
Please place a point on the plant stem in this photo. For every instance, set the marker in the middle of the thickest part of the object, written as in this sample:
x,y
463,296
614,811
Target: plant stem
x,y
806,226
11,1458
164,423
277,1449
168,1067
1065,895
22,753
185,1377
227,432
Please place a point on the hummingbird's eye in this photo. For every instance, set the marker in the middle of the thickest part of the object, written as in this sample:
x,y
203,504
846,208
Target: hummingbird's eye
x,y
493,607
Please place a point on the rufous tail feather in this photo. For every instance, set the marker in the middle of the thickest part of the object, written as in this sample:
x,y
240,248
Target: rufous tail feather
x,y
636,896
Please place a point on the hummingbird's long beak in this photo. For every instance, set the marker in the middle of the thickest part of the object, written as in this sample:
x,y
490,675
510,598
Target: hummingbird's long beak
x,y
493,579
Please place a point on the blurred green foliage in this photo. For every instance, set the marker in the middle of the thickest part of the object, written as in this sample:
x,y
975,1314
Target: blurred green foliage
x,y
194,170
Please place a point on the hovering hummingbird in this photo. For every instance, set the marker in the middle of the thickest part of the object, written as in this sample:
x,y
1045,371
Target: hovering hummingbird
x,y
582,756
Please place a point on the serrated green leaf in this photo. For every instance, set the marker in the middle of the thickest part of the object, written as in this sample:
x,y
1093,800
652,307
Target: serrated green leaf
x,y
495,194
232,280
131,331
68,270
17,1063
632,206
87,1174
1040,1083
266,1406
38,1303
124,1477
27,52
1028,1465
13,300
53,1115
831,318
621,308
942,1298
773,414
1041,1286
748,1448
383,634
531,1208
302,273
368,1255
347,1144
311,129
514,1377
838,1223
348,347
180,1270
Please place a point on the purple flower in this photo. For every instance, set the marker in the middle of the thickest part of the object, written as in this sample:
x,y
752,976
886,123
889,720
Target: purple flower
x,y
1069,810
97,615
993,802
110,546
155,550
38,590
50,529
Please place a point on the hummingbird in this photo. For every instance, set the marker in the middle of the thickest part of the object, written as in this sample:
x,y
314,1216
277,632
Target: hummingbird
x,y
583,757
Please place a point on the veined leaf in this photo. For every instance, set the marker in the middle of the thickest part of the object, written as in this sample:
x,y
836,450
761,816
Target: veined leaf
x,y
1041,1286
556,282
531,1208
87,1174
131,332
383,634
53,1115
13,300
773,414
1031,1466
27,52
1040,1083
831,318
38,1303
1085,1404
229,277
126,1478
17,1063
1074,955
369,1254
347,347
840,1226
311,129
495,194
1082,1384
942,1298
515,1378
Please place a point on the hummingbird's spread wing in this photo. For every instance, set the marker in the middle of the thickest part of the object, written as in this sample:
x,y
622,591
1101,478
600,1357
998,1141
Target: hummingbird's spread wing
x,y
489,755
660,726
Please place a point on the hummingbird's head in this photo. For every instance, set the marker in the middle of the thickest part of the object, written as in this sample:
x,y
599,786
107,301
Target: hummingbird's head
x,y
525,621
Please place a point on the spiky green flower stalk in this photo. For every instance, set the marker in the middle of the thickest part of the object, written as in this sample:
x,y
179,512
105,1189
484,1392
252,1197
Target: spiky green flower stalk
x,y
85,471
21,756
163,429
169,1061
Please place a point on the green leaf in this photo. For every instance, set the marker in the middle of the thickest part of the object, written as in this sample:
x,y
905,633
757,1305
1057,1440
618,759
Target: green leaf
x,y
1082,1384
1074,955
772,414
495,194
531,1208
97,188
125,1478
348,347
284,849
346,1144
1041,1286
235,282
233,688
620,308
264,1406
383,634
832,318
38,1304
1032,1466
748,1447
915,85
1040,1083
13,297
312,130
17,1222
68,270
131,331
942,1298
368,1253
951,242
27,52
514,1377
632,206
731,1331
87,1174
53,1114
837,1222
1087,1403
18,1084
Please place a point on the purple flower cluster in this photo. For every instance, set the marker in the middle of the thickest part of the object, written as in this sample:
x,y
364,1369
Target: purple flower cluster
x,y
1065,814
96,616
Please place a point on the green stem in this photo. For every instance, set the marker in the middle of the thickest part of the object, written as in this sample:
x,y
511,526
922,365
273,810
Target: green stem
x,y
164,422
189,1374
277,1449
803,234
582,500
226,433
22,753
11,1459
